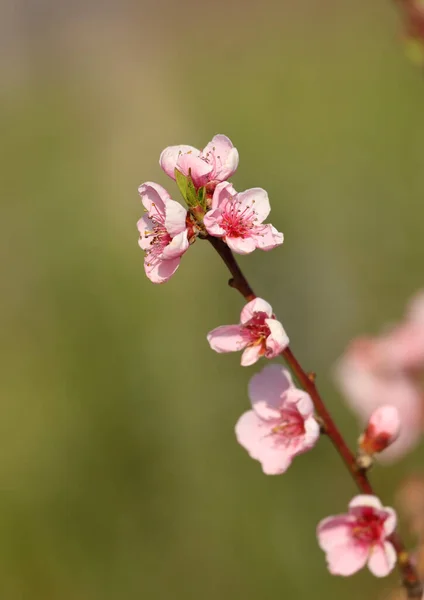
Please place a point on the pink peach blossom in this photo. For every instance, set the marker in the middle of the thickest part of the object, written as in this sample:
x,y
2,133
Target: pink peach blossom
x,y
359,538
259,334
215,163
403,345
281,424
238,219
367,382
163,232
382,430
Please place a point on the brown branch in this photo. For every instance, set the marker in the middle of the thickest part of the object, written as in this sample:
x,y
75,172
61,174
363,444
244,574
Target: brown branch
x,y
410,577
238,280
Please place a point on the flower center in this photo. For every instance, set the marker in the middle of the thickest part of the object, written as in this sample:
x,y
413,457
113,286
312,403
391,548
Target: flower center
x,y
256,328
159,237
291,425
238,220
368,527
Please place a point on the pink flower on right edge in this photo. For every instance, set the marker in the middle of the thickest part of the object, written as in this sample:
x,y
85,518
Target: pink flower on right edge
x,y
259,334
359,538
238,219
389,370
281,424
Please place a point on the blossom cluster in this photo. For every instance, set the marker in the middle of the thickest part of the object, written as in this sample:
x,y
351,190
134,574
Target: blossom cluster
x,y
379,376
214,208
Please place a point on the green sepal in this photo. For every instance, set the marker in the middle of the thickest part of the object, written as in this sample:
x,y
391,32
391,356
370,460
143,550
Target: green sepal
x,y
191,198
182,182
201,195
187,189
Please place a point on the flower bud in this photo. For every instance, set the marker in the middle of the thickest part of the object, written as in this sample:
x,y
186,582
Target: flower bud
x,y
382,430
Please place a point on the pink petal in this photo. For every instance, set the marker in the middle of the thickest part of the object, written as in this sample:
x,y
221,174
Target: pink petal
x,y
312,433
254,306
266,389
199,168
382,429
175,218
382,559
161,270
347,559
240,245
144,224
391,520
385,419
403,347
224,192
362,500
212,221
178,245
301,400
227,338
169,157
257,199
256,437
153,197
267,237
251,431
278,340
251,355
275,461
334,532
224,156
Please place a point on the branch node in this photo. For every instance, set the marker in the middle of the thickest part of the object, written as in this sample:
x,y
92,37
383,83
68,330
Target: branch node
x,y
322,427
364,462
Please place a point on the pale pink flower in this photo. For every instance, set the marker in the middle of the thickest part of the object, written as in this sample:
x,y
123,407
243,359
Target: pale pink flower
x,y
403,345
259,334
369,379
281,424
215,163
163,232
359,538
238,219
382,430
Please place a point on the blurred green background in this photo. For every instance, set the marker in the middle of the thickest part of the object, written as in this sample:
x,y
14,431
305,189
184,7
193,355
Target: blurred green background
x,y
120,477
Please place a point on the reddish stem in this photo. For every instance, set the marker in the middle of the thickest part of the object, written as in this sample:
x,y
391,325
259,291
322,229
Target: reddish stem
x,y
410,577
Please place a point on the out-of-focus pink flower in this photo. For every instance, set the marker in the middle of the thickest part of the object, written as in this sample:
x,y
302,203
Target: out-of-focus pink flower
x,y
238,219
388,370
382,430
403,346
163,232
368,384
259,334
359,538
281,424
215,163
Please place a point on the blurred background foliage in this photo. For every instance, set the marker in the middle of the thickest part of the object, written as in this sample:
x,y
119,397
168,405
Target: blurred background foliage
x,y
120,475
